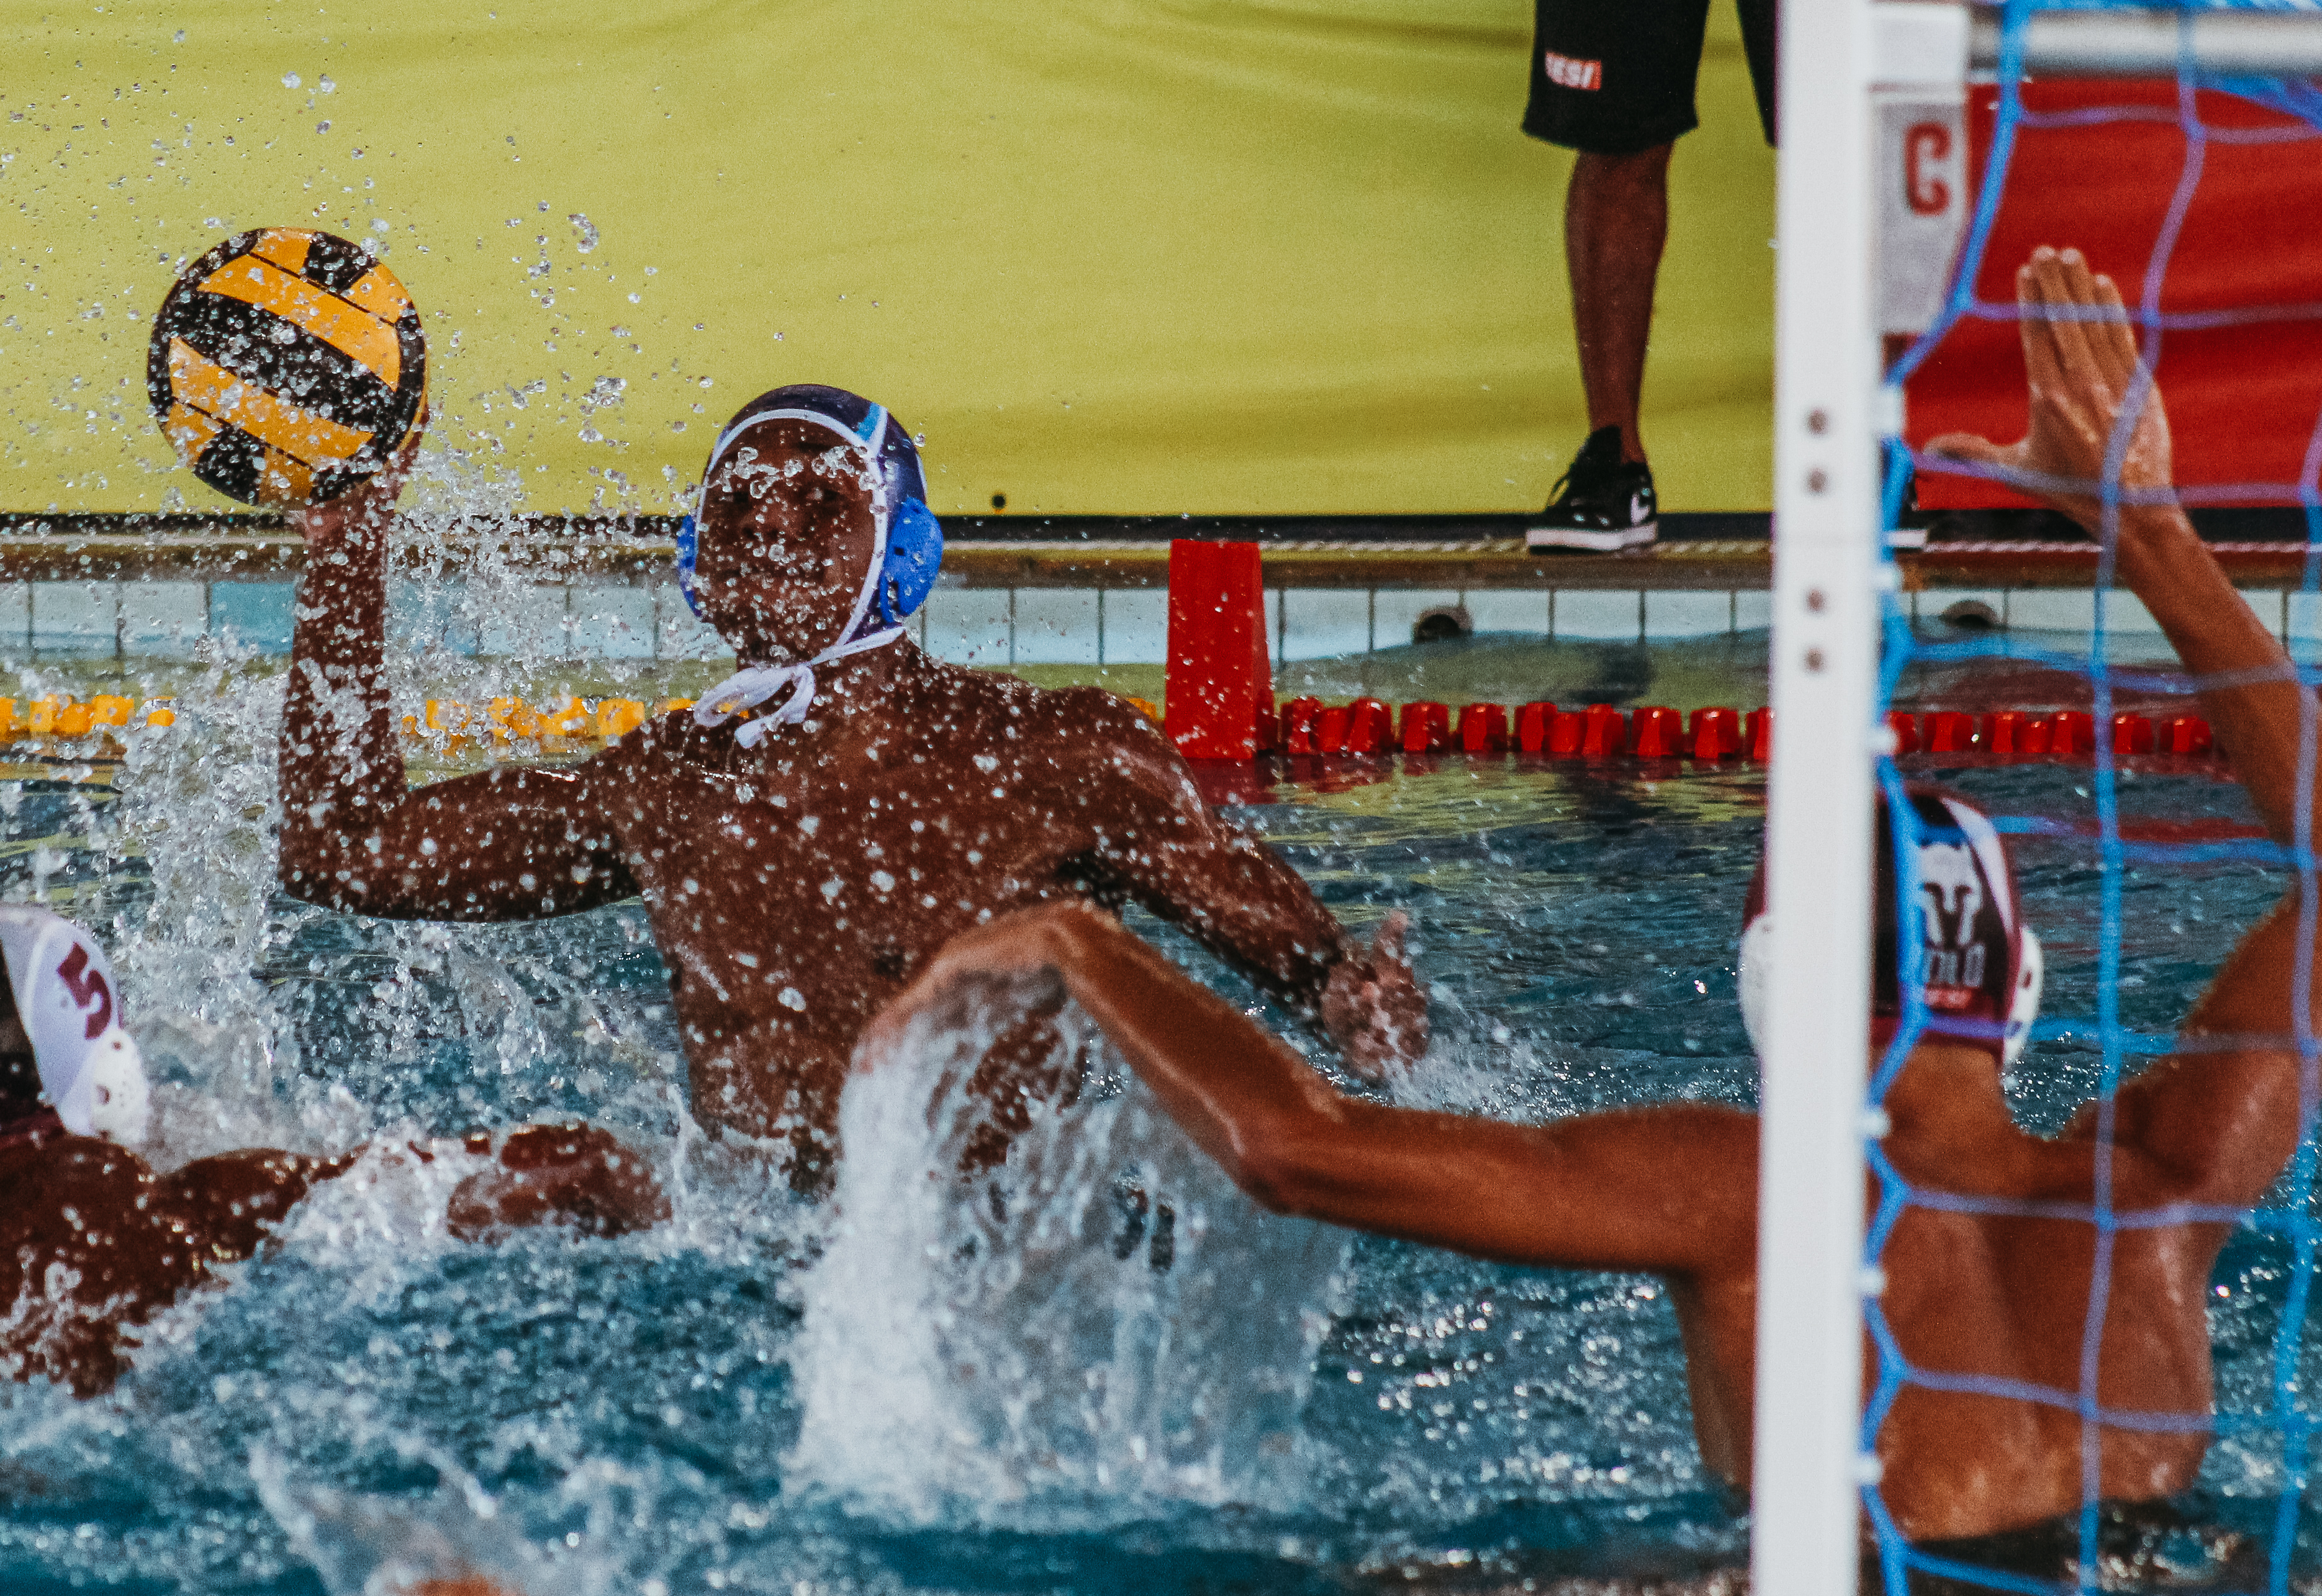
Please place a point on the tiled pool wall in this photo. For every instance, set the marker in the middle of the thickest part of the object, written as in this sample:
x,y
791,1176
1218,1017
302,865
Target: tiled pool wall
x,y
620,618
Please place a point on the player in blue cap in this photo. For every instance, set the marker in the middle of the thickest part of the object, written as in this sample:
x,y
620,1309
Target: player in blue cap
x,y
822,822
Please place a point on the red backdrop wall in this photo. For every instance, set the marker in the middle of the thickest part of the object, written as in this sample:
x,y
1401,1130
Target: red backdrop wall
x,y
2244,398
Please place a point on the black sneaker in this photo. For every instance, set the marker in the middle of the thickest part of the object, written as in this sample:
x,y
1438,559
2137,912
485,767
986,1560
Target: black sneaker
x,y
1604,504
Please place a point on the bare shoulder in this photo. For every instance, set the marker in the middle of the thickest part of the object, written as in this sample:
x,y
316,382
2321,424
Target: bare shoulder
x,y
70,1189
1079,725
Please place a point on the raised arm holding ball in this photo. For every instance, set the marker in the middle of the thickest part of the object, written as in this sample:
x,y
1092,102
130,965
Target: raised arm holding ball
x,y
824,821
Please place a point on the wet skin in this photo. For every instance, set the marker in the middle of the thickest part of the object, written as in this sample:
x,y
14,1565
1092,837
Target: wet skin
x,y
92,1244
2004,1298
795,887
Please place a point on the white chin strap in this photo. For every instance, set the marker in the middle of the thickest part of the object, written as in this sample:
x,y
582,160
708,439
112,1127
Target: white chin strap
x,y
70,1008
753,685
1756,979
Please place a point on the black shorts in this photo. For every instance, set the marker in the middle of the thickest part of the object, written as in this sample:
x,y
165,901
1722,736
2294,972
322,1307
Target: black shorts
x,y
1616,76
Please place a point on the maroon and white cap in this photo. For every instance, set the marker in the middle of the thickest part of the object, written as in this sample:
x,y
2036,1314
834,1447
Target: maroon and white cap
x,y
1978,965
65,994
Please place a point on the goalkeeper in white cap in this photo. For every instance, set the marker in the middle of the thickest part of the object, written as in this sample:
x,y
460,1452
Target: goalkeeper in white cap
x,y
93,1242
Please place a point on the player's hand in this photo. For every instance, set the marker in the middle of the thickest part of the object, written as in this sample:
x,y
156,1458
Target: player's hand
x,y
2080,359
560,1175
979,965
366,508
1374,1007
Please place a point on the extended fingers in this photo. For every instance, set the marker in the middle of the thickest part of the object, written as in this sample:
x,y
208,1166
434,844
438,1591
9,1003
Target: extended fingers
x,y
2041,369
2116,338
2066,296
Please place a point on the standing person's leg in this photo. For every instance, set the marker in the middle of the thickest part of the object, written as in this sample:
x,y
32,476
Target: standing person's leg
x,y
1613,80
1615,221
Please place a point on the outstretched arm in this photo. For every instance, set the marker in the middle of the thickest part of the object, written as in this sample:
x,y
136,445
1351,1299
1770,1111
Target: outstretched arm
x,y
2224,1112
1589,1193
2079,359
545,1174
575,1175
226,1204
505,844
1174,854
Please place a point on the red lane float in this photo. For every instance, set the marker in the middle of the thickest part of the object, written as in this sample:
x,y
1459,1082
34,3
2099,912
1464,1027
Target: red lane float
x,y
1657,733
1716,733
1533,722
1426,727
1604,733
1306,725
2132,733
1483,729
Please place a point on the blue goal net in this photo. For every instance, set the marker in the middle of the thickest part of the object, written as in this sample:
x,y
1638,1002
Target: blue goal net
x,y
2098,836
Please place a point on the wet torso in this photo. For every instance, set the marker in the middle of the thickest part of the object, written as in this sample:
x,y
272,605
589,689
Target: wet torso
x,y
794,888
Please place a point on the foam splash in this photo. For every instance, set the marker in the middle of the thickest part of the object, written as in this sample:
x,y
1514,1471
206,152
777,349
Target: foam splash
x,y
1102,1323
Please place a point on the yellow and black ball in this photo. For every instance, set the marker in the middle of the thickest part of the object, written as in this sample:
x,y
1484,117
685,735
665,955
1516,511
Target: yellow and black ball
x,y
287,366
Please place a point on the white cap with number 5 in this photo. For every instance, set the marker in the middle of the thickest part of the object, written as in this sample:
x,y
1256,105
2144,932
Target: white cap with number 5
x,y
72,1012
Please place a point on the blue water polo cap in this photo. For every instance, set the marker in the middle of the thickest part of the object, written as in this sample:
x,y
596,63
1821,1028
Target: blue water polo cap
x,y
908,546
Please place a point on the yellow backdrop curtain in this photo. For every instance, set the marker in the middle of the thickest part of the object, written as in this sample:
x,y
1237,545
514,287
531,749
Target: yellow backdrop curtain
x,y
1109,256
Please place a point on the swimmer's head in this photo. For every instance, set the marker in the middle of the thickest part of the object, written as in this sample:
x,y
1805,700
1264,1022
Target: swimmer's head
x,y
813,528
62,1038
1977,966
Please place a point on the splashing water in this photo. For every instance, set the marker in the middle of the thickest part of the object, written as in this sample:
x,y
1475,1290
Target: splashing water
x,y
1103,1321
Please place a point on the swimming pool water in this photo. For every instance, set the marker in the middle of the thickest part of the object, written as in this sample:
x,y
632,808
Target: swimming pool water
x,y
628,1415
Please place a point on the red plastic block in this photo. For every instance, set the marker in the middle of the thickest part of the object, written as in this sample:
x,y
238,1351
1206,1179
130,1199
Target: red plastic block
x,y
1656,732
1757,735
1905,728
2071,732
2132,733
1330,730
1532,722
2038,732
1219,672
1370,726
1948,731
1483,729
2187,734
1298,725
1604,733
1566,732
1426,727
2002,731
1716,733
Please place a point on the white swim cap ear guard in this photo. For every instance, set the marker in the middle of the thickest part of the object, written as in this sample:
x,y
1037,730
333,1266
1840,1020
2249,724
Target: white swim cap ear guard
x,y
90,1069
